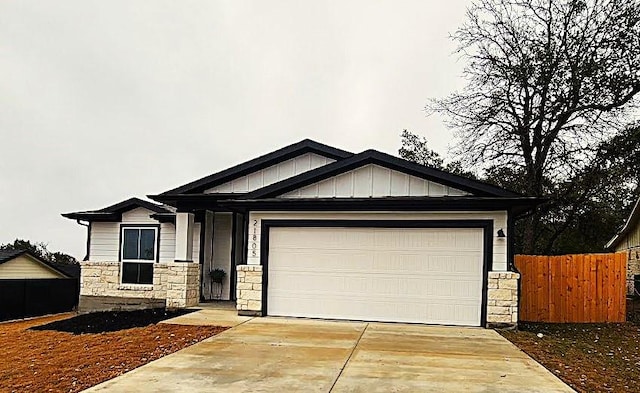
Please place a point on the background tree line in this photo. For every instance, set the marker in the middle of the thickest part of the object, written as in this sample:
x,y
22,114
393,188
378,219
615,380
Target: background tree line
x,y
549,110
40,250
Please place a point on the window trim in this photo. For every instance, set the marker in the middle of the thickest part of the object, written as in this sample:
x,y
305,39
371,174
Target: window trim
x,y
121,260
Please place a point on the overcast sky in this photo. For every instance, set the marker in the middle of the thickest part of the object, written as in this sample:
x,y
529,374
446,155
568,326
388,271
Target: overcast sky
x,y
104,100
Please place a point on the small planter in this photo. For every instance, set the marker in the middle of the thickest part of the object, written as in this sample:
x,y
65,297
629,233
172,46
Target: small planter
x,y
217,277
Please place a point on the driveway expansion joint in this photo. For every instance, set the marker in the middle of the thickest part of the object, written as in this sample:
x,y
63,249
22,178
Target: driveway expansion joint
x,y
348,358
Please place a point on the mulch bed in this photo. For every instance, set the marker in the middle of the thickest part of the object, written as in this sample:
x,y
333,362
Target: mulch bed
x,y
64,353
588,357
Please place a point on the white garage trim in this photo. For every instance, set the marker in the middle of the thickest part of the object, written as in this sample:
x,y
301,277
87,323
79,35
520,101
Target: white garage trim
x,y
485,225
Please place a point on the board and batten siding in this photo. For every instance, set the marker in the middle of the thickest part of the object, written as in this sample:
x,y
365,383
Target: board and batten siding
x,y
499,219
24,267
370,181
631,240
275,173
105,237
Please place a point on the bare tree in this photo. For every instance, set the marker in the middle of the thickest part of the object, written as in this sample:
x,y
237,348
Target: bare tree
x,y
548,82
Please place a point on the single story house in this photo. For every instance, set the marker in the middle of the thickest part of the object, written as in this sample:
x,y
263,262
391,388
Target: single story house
x,y
22,264
311,230
628,240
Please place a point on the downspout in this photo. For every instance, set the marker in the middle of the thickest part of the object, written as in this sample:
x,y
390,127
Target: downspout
x,y
88,225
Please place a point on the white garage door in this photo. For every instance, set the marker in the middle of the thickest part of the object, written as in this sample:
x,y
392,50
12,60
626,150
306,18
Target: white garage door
x,y
424,275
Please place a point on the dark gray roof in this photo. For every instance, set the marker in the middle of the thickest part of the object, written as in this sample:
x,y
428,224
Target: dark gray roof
x,y
7,255
629,225
283,154
114,212
474,187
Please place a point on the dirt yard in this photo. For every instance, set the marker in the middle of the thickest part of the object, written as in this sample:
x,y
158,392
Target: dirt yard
x,y
66,354
588,357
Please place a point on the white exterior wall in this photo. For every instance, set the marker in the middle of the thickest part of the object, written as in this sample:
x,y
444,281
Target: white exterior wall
x,y
137,216
273,174
499,221
373,181
105,237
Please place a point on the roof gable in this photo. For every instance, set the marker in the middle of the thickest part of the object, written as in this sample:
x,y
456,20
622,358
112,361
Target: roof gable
x,y
373,181
272,174
134,203
372,157
6,256
257,164
631,226
114,212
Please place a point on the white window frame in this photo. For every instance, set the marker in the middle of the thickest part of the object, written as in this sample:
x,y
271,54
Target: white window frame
x,y
156,250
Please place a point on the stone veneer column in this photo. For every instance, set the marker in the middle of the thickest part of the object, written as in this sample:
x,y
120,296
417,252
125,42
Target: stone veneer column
x,y
249,290
183,283
502,299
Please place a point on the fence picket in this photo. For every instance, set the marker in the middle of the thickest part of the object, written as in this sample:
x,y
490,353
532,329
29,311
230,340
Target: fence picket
x,y
579,261
622,283
593,272
540,287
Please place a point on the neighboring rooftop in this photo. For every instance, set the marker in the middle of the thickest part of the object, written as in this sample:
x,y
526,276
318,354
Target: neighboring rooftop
x,y
70,271
632,222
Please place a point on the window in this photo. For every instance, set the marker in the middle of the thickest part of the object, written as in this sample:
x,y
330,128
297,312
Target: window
x,y
138,253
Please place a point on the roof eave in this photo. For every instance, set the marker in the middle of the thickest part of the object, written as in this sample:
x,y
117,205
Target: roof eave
x,y
517,205
92,216
114,212
633,219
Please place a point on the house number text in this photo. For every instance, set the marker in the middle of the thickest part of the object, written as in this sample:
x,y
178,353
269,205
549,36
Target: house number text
x,y
254,238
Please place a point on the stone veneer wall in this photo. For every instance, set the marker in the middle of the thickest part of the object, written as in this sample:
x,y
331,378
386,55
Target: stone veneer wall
x,y
633,268
249,290
177,283
502,299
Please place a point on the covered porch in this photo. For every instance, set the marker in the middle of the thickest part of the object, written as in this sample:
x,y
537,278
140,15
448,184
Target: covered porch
x,y
223,242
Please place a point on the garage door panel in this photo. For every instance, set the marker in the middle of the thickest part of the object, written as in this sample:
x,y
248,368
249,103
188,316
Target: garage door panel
x,y
381,239
328,261
330,239
354,286
384,261
385,310
398,262
427,275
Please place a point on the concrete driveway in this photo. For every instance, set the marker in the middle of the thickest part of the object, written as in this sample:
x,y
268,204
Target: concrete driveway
x,y
286,355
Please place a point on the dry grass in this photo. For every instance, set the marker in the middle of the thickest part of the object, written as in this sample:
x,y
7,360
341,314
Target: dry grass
x,y
589,357
59,361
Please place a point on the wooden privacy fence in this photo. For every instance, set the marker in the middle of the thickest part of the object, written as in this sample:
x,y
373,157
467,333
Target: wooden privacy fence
x,y
572,288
